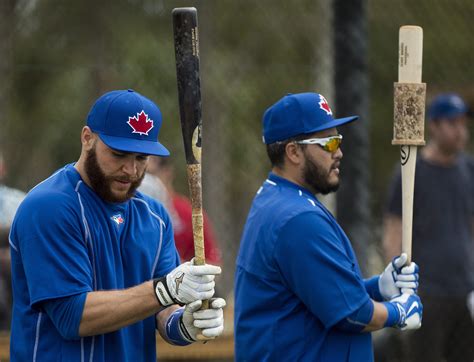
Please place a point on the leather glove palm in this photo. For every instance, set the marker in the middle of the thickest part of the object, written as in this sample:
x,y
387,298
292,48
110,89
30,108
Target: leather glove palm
x,y
203,324
397,278
186,283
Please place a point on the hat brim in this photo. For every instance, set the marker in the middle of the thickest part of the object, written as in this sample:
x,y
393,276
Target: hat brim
x,y
334,123
134,145
448,115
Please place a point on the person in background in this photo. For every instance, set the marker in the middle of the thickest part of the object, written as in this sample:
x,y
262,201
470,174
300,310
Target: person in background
x,y
443,243
154,187
180,210
10,199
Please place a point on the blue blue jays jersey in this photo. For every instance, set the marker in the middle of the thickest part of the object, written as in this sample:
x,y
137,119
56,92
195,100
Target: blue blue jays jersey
x,y
296,278
66,241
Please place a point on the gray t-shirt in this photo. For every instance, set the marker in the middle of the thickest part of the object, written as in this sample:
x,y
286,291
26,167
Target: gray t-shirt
x,y
10,199
443,208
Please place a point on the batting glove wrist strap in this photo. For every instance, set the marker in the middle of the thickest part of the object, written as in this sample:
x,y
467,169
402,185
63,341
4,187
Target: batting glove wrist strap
x,y
173,329
404,312
162,292
396,315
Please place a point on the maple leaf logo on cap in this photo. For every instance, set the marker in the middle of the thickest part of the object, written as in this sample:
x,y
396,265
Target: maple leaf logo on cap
x,y
141,123
323,104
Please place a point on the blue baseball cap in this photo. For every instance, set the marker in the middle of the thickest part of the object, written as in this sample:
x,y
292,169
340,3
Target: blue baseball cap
x,y
127,121
447,106
297,114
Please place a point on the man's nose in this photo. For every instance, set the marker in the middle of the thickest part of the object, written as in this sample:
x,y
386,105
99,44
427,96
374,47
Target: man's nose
x,y
130,166
338,154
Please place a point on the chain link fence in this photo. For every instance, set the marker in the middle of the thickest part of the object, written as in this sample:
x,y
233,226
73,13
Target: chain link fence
x,y
59,56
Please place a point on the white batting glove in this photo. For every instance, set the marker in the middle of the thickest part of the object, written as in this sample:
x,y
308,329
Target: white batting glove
x,y
410,311
186,284
397,278
204,324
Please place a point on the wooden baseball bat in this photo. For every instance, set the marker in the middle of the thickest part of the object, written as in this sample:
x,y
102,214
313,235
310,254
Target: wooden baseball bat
x,y
408,124
186,43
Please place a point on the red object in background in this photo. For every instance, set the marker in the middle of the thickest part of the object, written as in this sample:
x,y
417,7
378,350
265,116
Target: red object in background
x,y
183,232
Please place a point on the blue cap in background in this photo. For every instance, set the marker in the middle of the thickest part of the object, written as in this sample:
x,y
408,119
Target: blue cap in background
x,y
127,121
297,114
447,106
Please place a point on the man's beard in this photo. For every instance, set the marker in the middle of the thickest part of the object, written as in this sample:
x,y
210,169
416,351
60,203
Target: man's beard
x,y
317,179
101,183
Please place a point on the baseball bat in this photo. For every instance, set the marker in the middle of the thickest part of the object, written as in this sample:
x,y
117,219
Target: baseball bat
x,y
409,114
186,43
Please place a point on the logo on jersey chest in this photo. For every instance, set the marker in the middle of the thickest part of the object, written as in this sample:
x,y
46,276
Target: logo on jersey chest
x,y
118,219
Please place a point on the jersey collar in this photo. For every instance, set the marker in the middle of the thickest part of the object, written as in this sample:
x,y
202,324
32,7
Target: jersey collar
x,y
75,177
287,183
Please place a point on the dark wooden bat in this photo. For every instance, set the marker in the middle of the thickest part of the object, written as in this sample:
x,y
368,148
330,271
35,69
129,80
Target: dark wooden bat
x,y
186,42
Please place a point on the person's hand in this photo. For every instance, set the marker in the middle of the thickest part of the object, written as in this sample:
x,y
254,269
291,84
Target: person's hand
x,y
203,324
397,278
409,309
186,283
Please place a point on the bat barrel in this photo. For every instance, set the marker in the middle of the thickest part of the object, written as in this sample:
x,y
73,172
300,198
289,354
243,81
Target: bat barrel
x,y
410,54
186,41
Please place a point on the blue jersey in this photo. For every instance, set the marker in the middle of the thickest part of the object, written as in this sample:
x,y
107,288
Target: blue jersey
x,y
297,276
66,241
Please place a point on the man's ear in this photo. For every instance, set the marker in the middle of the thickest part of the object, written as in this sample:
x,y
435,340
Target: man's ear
x,y
294,153
88,138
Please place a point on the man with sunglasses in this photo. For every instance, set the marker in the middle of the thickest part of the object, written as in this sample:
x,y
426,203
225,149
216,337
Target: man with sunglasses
x,y
299,292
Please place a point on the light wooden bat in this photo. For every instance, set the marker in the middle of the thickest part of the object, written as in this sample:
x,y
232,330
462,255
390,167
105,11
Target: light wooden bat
x,y
408,124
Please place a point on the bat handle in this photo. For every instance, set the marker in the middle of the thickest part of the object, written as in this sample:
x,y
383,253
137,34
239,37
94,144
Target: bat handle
x,y
408,162
198,236
199,252
195,190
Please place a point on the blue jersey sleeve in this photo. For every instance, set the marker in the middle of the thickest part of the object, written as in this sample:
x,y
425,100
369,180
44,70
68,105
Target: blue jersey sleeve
x,y
49,237
372,287
66,314
358,320
318,268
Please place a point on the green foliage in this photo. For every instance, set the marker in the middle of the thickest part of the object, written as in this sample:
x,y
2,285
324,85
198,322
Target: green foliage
x,y
64,54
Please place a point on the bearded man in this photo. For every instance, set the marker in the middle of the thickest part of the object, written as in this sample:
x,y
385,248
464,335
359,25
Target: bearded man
x,y
299,292
94,265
